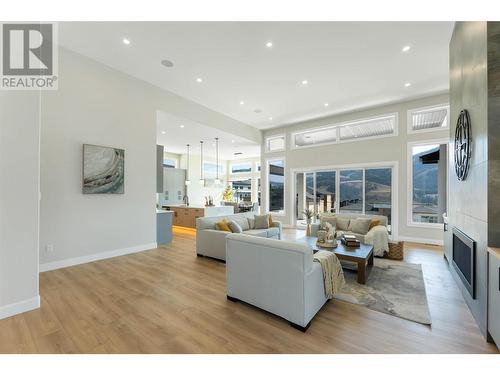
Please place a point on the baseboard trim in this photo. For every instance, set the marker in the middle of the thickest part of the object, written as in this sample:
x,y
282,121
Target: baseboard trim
x,y
429,241
19,307
50,266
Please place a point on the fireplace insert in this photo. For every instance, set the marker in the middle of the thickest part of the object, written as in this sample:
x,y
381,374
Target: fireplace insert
x,y
464,259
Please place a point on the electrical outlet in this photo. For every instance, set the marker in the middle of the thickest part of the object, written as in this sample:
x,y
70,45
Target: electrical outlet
x,y
49,248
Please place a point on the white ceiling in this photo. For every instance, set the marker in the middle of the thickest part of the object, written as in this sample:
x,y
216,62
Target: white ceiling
x,y
349,65
179,132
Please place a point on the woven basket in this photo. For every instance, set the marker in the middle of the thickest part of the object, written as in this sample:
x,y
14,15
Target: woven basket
x,y
396,251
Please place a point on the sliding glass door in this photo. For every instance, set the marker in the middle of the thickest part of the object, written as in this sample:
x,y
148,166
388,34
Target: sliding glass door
x,y
325,191
351,191
360,190
378,192
315,191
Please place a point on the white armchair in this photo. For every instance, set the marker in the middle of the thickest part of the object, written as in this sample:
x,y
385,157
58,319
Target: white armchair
x,y
276,276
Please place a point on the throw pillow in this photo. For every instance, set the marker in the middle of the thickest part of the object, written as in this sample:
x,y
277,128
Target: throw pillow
x,y
360,225
270,220
223,225
242,222
329,219
235,227
374,223
251,222
261,221
342,223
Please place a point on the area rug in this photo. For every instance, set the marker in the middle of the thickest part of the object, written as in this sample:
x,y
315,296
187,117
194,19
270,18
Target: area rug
x,y
393,288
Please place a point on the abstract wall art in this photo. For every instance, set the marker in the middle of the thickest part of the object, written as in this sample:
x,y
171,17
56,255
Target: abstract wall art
x,y
103,170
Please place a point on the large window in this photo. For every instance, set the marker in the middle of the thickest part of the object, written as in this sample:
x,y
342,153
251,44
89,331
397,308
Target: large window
x,y
351,190
428,183
241,168
210,170
276,183
360,190
242,190
378,191
170,163
325,191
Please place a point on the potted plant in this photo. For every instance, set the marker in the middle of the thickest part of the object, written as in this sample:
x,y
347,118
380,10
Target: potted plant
x,y
309,213
228,194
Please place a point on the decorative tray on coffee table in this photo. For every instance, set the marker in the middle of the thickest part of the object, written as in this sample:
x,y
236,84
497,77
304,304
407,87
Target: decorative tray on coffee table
x,y
327,245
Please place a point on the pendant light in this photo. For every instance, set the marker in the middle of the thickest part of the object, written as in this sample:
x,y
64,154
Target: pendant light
x,y
217,180
202,180
188,181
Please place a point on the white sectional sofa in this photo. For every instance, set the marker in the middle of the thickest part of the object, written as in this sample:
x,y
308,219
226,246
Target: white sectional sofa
x,y
378,236
276,276
212,243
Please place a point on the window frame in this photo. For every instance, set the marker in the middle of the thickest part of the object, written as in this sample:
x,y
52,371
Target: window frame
x,y
339,125
411,111
250,163
395,204
409,182
267,190
275,136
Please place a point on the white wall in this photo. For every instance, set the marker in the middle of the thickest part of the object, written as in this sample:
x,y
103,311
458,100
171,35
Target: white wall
x,y
361,152
19,201
99,105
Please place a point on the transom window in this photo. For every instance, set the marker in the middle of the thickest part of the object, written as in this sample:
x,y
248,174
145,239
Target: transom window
x,y
275,143
374,127
428,118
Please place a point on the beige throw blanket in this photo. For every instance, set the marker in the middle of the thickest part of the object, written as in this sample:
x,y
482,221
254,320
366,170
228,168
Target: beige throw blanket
x,y
333,276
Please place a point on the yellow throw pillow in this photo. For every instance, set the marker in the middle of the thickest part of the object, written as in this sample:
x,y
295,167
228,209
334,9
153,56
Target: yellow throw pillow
x,y
270,221
374,223
223,226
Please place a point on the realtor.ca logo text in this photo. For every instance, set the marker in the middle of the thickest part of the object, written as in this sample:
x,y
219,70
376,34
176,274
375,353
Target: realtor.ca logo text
x,y
28,56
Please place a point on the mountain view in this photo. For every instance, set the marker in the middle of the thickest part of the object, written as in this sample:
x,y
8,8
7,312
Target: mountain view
x,y
425,180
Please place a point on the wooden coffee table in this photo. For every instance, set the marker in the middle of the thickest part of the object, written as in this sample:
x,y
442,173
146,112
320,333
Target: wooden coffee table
x,y
362,256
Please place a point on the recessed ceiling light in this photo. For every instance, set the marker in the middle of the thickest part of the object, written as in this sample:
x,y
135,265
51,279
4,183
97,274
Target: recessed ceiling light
x,y
269,44
126,41
167,63
182,126
407,84
232,140
305,82
270,118
326,104
242,102
406,48
163,132
199,80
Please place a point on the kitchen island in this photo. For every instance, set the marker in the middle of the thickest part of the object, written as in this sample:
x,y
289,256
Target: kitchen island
x,y
185,216
164,220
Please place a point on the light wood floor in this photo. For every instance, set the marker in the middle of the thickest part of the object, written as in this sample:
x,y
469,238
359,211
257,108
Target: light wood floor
x,y
169,301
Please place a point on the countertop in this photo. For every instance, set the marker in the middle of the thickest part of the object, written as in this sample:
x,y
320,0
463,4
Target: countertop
x,y
164,211
494,251
196,206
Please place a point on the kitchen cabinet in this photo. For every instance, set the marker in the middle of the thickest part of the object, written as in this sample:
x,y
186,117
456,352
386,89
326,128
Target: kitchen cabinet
x,y
174,186
186,216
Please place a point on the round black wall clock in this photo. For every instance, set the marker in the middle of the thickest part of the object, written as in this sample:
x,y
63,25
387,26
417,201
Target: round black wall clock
x,y
462,145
